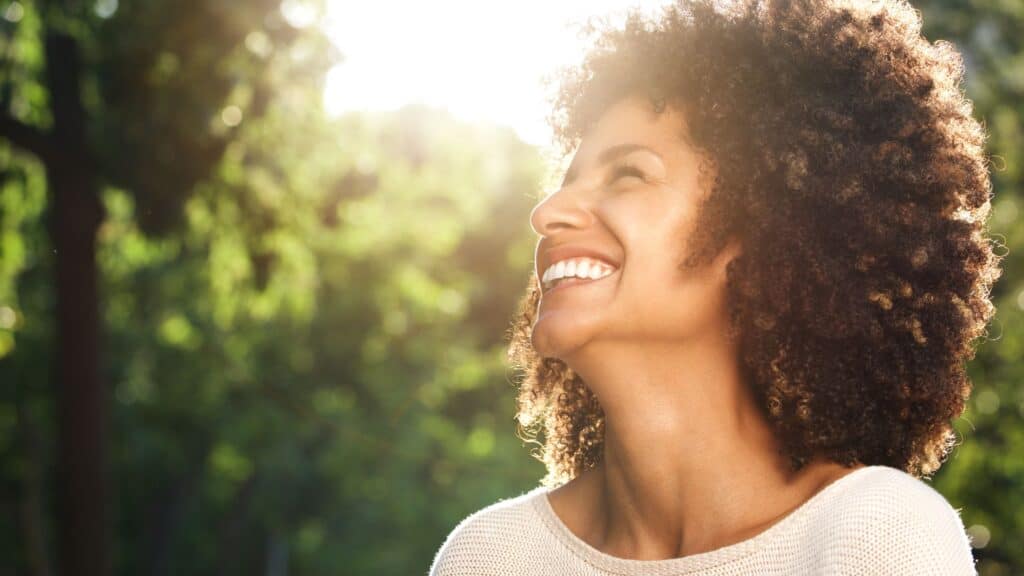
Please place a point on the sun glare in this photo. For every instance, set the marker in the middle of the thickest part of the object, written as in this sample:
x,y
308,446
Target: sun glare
x,y
482,61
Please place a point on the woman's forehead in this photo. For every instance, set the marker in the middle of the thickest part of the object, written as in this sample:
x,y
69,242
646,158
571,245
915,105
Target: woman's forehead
x,y
633,120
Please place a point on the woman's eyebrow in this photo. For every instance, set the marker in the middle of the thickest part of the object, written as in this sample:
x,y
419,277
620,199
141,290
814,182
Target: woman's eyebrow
x,y
607,155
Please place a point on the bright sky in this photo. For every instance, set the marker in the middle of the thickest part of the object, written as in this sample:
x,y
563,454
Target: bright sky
x,y
480,59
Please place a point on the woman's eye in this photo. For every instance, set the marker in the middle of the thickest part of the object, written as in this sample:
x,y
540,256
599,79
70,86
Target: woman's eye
x,y
627,170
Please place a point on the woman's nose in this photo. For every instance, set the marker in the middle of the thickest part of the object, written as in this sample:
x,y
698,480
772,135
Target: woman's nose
x,y
562,209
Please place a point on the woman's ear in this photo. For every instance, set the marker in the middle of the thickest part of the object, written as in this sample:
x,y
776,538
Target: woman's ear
x,y
733,249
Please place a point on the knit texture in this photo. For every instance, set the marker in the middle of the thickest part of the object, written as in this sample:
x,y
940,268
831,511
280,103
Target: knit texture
x,y
876,520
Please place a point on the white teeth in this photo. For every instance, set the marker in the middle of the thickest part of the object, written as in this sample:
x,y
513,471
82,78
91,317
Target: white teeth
x,y
583,269
576,267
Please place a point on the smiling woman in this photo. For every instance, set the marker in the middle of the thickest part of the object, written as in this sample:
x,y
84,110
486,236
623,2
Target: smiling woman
x,y
785,203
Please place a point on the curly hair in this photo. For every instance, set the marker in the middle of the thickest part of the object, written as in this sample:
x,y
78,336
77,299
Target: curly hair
x,y
849,164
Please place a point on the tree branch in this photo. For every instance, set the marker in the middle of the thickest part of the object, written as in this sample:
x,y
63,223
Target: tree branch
x,y
25,137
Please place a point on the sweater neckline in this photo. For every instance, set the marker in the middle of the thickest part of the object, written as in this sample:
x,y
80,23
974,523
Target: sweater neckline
x,y
692,562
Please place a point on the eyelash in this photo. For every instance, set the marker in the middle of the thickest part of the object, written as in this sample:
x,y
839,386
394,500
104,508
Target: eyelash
x,y
627,170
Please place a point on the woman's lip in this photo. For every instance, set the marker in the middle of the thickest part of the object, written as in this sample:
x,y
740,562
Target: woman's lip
x,y
576,282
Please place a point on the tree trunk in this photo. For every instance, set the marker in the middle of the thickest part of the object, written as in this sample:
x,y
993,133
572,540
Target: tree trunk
x,y
83,533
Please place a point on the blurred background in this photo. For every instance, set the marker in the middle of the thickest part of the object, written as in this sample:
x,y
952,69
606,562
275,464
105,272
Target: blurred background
x,y
257,260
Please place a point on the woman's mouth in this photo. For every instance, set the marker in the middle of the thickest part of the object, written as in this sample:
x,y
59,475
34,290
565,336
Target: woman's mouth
x,y
566,282
574,272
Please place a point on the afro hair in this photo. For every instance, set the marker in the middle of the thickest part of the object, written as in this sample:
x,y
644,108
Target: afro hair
x,y
849,164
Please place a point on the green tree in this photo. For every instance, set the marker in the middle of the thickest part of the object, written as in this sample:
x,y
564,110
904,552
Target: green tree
x,y
121,99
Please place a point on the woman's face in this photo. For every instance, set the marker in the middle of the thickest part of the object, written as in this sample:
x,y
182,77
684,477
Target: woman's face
x,y
629,199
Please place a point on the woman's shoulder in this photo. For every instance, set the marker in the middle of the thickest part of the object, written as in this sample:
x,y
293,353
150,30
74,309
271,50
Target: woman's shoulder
x,y
883,495
894,522
482,542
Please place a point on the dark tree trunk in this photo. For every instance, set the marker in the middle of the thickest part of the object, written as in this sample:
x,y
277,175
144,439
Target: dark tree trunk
x,y
81,397
230,556
31,500
166,515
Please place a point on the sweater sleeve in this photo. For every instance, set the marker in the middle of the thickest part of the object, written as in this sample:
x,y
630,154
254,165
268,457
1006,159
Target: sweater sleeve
x,y
493,541
905,526
467,551
452,553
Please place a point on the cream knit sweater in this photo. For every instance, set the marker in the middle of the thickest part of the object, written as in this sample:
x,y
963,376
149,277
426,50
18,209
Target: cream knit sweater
x,y
875,520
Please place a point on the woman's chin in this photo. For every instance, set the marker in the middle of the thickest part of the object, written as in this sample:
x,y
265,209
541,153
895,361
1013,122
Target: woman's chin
x,y
556,341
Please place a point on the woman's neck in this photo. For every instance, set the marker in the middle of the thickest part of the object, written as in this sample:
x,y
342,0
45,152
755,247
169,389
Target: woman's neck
x,y
690,462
